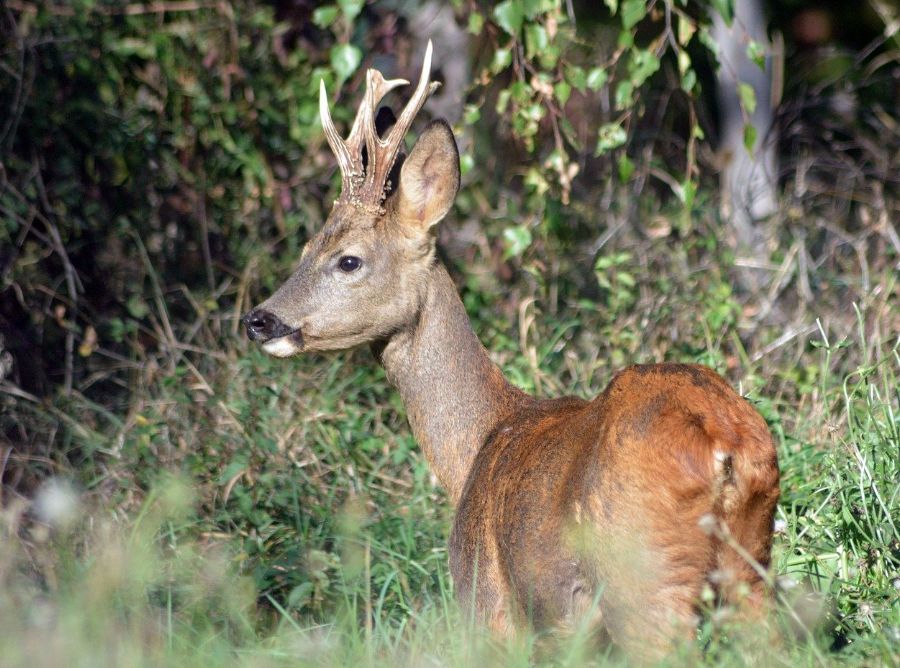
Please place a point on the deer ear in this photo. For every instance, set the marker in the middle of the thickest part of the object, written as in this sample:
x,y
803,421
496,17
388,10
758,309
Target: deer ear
x,y
429,178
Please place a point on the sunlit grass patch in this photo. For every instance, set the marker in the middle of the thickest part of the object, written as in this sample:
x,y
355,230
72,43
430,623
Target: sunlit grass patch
x,y
157,583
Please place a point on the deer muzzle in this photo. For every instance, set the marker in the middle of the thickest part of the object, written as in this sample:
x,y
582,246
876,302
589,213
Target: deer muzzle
x,y
276,337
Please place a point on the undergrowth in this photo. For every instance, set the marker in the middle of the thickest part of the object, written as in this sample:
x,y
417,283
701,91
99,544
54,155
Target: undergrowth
x,y
250,511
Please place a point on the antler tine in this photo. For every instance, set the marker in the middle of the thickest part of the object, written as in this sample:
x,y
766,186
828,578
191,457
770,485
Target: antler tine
x,y
382,154
349,166
376,88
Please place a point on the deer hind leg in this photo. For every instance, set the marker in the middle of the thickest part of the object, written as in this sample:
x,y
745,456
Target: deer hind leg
x,y
748,511
652,580
650,618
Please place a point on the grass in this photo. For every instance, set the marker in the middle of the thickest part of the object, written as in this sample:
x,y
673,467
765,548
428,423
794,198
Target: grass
x,y
233,509
170,496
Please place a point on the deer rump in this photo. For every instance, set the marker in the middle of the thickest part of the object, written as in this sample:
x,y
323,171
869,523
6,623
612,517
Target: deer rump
x,y
605,511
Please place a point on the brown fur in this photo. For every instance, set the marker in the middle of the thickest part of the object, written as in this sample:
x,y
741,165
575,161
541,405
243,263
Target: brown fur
x,y
561,503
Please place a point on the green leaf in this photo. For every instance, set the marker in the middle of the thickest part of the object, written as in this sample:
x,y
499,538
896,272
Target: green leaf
x,y
351,8
325,16
577,77
466,163
596,78
750,135
706,39
345,58
725,9
471,114
610,136
503,101
562,90
137,307
642,66
509,16
517,240
476,23
756,52
632,12
686,30
237,465
531,7
536,39
624,94
748,97
684,61
300,595
502,59
612,4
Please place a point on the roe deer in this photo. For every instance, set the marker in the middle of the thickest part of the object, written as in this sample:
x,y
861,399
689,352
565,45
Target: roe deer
x,y
560,503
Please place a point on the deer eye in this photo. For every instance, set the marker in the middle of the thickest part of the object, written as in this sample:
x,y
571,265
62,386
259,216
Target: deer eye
x,y
349,263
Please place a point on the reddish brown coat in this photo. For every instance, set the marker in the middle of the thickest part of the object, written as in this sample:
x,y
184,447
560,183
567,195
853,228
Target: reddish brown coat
x,y
566,507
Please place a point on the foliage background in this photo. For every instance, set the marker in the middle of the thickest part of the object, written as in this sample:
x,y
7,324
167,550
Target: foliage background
x,y
162,166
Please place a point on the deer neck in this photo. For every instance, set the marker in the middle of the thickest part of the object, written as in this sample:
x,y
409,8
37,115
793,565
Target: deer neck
x,y
454,394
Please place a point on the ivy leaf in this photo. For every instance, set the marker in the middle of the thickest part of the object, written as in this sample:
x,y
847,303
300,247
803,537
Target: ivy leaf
x,y
351,8
577,77
725,9
642,65
476,23
471,114
509,16
345,58
748,97
686,30
707,40
624,94
632,13
517,240
325,16
626,167
532,8
750,135
502,59
611,135
562,90
137,307
536,40
596,78
756,52
466,163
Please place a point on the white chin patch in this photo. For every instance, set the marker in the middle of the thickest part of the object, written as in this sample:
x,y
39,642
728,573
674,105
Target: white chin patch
x,y
280,347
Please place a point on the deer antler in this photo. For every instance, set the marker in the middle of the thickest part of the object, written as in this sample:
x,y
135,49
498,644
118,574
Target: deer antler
x,y
367,187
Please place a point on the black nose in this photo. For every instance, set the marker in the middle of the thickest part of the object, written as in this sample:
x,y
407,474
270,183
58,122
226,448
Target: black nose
x,y
262,325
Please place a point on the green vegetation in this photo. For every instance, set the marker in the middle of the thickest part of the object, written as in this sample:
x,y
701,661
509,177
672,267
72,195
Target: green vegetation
x,y
171,496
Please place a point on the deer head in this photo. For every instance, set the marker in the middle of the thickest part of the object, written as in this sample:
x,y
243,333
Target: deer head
x,y
362,277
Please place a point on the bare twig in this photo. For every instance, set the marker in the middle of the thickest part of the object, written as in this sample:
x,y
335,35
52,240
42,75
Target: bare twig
x,y
73,283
